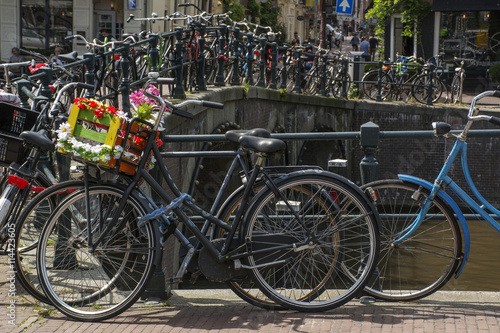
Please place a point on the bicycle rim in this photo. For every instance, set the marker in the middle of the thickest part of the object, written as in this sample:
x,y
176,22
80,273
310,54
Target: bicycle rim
x,y
425,261
325,269
95,285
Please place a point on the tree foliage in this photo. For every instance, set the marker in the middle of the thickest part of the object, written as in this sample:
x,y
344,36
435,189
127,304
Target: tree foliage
x,y
413,11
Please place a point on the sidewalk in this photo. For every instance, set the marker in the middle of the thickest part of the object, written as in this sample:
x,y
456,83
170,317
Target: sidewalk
x,y
219,310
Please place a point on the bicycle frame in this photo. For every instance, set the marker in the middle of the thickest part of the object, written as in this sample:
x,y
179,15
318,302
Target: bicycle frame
x,y
482,208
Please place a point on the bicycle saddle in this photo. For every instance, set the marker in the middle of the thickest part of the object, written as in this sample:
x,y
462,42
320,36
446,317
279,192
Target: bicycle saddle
x,y
39,139
263,145
235,135
69,57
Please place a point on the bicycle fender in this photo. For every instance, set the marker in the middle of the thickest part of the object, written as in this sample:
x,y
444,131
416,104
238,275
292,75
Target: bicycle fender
x,y
454,207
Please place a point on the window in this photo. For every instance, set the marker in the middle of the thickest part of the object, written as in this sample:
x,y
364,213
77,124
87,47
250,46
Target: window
x,y
45,23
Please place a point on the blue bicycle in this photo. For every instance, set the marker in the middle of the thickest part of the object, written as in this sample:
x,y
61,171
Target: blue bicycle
x,y
422,226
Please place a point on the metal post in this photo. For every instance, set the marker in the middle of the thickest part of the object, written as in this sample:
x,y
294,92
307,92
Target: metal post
x,y
235,80
89,73
125,84
274,66
250,55
431,86
179,82
323,76
369,143
379,82
298,76
202,84
262,80
46,79
154,52
344,78
284,61
22,96
219,79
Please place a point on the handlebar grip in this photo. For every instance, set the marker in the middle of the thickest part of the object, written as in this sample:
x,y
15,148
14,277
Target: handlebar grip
x,y
495,120
69,37
182,113
166,80
183,4
214,105
496,93
130,18
85,86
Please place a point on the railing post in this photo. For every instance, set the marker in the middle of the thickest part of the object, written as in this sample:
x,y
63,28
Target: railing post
x,y
179,82
274,66
202,84
22,96
235,80
284,61
89,72
369,143
250,56
219,79
46,79
431,86
379,82
323,75
125,84
154,52
298,76
344,78
262,79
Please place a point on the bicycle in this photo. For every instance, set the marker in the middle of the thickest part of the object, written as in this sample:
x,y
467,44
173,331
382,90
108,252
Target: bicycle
x,y
457,85
421,234
308,240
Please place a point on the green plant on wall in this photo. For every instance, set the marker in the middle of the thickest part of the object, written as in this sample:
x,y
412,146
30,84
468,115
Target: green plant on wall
x,y
413,11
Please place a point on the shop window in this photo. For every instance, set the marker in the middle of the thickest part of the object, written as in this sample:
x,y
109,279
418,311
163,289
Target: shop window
x,y
45,23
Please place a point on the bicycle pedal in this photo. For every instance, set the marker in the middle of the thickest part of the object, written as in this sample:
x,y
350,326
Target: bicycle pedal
x,y
174,280
194,277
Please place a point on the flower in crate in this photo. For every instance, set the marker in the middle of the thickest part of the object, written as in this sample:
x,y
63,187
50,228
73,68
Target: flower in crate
x,y
145,107
99,109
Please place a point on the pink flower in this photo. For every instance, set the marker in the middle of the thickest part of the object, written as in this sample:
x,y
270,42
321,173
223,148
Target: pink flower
x,y
137,98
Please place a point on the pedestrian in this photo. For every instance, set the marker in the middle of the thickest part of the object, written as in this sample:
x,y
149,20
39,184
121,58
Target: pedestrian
x,y
296,39
373,47
16,57
54,59
365,47
355,42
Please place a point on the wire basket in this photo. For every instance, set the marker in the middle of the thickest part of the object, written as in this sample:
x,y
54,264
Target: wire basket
x,y
13,121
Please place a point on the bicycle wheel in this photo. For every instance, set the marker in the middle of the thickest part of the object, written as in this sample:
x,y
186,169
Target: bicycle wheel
x,y
245,288
313,241
92,285
28,228
456,89
425,261
369,85
420,89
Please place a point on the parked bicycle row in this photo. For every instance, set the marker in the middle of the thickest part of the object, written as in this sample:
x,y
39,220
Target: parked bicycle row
x,y
292,237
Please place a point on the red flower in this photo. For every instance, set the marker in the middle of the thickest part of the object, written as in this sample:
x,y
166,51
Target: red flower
x,y
93,104
111,109
159,143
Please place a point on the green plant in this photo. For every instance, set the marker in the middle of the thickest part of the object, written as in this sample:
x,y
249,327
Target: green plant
x,y
494,72
283,92
353,91
245,89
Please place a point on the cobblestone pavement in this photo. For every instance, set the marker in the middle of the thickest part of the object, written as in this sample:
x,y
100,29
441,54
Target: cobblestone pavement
x,y
219,310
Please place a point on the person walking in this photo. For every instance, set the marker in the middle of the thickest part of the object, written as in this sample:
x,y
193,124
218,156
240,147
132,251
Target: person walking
x,y
365,47
355,42
373,47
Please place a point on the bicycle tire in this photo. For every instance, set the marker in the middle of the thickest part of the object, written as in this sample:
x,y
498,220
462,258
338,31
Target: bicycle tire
x,y
369,85
244,288
93,286
420,89
424,262
28,228
316,273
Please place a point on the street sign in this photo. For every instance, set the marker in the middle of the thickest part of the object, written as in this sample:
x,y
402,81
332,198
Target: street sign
x,y
344,7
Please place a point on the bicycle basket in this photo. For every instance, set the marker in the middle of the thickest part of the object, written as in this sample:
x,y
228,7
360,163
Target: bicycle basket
x,y
13,121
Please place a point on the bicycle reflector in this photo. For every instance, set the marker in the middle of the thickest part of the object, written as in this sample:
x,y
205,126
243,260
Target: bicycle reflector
x,y
18,181
440,128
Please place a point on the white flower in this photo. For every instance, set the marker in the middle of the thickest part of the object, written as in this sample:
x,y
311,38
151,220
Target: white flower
x,y
106,158
128,155
63,135
96,149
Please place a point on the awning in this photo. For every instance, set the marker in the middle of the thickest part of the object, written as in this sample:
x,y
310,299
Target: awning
x,y
465,5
